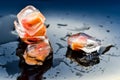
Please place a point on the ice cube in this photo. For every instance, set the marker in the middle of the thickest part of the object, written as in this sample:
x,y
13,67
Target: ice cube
x,y
36,54
30,23
85,49
32,18
82,41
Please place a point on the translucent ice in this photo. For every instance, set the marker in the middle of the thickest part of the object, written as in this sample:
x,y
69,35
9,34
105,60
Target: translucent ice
x,y
30,24
36,54
82,41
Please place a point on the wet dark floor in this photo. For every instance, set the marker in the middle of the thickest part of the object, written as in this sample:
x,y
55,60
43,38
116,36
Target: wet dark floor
x,y
103,26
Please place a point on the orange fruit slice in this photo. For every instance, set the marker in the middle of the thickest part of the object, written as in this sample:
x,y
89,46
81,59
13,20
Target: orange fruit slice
x,y
79,43
32,19
33,23
77,46
41,32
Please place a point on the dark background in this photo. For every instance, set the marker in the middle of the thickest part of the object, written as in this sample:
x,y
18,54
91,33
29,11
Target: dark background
x,y
14,6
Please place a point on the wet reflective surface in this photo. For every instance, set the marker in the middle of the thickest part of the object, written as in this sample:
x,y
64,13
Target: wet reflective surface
x,y
103,26
82,58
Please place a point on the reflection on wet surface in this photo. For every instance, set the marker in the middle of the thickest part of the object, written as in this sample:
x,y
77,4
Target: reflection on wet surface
x,y
83,59
86,60
32,72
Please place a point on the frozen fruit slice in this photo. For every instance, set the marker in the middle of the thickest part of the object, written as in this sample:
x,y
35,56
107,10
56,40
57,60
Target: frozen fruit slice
x,y
79,43
82,41
30,25
37,53
31,20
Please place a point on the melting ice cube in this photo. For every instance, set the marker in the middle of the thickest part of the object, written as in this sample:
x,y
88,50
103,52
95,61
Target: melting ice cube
x,y
82,41
36,54
30,23
85,49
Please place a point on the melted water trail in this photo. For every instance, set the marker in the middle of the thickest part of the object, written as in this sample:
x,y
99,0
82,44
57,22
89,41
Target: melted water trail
x,y
60,47
62,24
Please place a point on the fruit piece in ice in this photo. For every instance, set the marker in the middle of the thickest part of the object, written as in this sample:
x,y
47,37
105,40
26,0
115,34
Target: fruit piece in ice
x,y
79,43
36,54
31,21
30,25
82,41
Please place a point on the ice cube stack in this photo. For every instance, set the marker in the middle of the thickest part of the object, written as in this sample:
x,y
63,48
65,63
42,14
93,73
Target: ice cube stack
x,y
32,30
